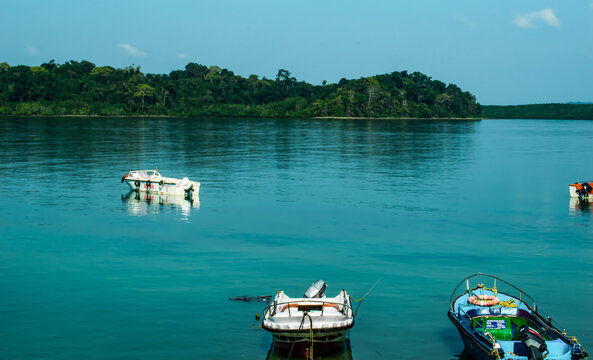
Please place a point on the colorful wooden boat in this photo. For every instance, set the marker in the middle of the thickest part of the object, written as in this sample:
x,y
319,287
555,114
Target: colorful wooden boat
x,y
497,320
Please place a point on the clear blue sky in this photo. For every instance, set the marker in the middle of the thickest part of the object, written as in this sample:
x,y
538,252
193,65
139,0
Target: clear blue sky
x,y
504,52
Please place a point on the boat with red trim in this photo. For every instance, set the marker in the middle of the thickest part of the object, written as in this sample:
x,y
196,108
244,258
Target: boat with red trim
x,y
312,323
153,182
581,189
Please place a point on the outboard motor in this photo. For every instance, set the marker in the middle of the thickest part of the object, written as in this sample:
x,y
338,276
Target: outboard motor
x,y
578,352
315,290
185,183
533,341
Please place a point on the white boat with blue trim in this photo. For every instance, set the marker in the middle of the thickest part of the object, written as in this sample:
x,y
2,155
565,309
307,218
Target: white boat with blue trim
x,y
497,320
153,182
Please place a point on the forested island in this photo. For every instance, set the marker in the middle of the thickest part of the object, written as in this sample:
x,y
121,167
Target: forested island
x,y
539,111
82,88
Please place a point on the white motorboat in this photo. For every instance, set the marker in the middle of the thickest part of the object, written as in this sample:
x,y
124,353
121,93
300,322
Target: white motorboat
x,y
313,321
151,181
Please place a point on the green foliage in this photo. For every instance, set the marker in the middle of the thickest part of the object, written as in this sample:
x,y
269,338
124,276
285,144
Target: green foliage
x,y
142,91
539,111
81,88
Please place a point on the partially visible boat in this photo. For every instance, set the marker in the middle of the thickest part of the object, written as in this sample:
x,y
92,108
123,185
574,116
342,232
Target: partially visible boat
x,y
497,320
312,323
581,189
153,182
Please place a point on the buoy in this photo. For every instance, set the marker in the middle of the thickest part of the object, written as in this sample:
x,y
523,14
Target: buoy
x,y
257,316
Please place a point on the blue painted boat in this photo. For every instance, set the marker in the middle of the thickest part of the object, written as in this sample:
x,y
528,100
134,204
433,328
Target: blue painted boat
x,y
497,320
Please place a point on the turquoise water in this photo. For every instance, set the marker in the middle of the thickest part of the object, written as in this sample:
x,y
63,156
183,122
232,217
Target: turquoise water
x,y
89,272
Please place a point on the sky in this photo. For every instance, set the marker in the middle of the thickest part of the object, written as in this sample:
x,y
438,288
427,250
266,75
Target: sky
x,y
504,52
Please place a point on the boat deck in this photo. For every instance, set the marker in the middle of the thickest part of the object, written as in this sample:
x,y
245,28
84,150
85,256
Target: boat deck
x,y
503,322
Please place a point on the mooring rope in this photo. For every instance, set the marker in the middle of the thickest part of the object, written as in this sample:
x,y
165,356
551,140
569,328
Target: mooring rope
x,y
359,301
298,332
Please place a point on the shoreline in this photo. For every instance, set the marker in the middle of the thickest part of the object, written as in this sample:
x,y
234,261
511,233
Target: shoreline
x,y
220,117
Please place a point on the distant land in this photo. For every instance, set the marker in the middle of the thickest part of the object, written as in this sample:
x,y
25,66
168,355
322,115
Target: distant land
x,y
569,111
81,88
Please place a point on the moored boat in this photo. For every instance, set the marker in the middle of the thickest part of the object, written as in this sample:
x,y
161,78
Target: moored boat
x,y
497,320
151,181
581,189
312,323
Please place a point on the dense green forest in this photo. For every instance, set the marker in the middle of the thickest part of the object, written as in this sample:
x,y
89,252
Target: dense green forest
x,y
81,88
539,111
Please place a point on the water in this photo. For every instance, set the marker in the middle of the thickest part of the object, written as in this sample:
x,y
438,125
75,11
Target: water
x,y
90,272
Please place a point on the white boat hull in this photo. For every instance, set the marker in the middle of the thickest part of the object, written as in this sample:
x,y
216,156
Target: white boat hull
x,y
573,191
320,336
162,188
151,181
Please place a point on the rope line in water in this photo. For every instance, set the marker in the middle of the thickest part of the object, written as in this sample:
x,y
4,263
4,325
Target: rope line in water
x,y
359,301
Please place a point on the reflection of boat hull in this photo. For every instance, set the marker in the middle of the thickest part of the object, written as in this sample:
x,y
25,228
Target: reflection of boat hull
x,y
338,352
329,340
142,203
575,204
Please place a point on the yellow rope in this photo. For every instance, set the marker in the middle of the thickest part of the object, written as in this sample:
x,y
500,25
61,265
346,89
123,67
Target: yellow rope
x,y
509,303
311,336
494,349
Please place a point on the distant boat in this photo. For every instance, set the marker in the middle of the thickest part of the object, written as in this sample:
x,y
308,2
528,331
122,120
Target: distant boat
x,y
496,320
581,189
312,323
151,181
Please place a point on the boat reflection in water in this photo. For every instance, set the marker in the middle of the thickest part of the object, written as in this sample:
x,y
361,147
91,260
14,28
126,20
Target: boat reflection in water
x,y
580,206
342,353
143,203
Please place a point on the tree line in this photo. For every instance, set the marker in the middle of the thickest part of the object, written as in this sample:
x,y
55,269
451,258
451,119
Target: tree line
x,y
539,111
82,88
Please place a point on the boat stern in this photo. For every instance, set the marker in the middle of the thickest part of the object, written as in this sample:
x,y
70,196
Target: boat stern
x,y
581,189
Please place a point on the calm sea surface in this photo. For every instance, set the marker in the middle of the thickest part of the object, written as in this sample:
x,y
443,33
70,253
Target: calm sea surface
x,y
88,271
